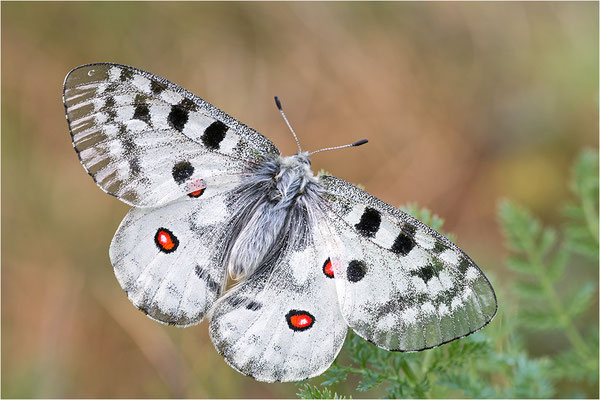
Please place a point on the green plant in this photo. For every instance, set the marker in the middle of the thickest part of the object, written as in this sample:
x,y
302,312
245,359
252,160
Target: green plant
x,y
550,301
543,302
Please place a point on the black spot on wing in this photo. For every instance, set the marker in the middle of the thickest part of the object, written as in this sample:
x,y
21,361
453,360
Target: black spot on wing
x,y
156,87
126,74
356,270
109,107
109,102
214,135
178,117
403,244
439,247
188,105
426,273
112,87
182,171
463,265
369,222
141,112
409,229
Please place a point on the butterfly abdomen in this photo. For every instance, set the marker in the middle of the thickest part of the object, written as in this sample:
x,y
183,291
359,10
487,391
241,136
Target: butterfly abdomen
x,y
267,198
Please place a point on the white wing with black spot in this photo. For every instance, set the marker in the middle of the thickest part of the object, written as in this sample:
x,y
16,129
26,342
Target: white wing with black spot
x,y
169,259
148,141
283,323
402,285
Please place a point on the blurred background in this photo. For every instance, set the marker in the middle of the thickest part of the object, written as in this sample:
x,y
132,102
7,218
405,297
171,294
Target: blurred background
x,y
463,104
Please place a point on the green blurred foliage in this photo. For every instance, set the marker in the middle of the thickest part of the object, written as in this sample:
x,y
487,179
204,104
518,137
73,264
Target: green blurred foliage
x,y
462,103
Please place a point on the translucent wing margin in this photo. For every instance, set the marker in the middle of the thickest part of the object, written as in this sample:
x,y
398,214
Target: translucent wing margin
x,y
402,285
148,141
283,323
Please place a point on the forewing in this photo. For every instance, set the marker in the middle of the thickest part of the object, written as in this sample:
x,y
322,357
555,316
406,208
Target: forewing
x,y
283,323
169,259
148,141
402,285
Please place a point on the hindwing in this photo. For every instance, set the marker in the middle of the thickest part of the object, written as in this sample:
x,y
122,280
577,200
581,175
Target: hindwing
x,y
169,259
283,322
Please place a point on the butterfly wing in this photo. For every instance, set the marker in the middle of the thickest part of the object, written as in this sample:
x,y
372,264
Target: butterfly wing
x,y
169,259
155,145
283,323
148,141
401,285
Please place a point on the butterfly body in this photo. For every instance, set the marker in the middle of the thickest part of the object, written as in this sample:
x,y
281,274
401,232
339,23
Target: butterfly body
x,y
271,195
313,255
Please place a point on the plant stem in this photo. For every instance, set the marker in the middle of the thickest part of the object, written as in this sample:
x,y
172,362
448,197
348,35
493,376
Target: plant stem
x,y
591,218
572,334
408,371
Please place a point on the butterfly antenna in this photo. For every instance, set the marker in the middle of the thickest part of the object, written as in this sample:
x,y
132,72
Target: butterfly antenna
x,y
287,122
359,143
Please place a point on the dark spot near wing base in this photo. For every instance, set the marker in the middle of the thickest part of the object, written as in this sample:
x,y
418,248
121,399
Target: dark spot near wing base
x,y
182,171
356,270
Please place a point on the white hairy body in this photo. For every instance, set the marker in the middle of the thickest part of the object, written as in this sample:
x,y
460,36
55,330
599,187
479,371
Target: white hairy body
x,y
282,185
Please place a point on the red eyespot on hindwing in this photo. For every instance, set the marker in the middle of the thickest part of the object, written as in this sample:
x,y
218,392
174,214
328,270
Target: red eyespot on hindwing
x,y
165,240
196,188
299,320
328,268
196,193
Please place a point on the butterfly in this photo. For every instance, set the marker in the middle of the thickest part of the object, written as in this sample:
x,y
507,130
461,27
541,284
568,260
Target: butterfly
x,y
213,200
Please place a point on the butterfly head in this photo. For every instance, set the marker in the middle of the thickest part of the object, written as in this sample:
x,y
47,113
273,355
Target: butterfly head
x,y
298,165
302,158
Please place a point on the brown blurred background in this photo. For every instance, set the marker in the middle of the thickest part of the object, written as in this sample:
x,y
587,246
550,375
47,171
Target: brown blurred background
x,y
462,103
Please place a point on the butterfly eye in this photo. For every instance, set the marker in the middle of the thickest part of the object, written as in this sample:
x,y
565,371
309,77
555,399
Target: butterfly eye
x,y
299,320
165,240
